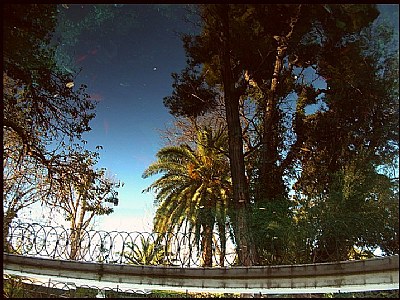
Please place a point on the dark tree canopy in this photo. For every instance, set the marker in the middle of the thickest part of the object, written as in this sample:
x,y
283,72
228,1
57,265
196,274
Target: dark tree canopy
x,y
191,96
318,87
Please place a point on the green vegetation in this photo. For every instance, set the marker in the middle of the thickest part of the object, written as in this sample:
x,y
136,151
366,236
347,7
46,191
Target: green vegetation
x,y
194,190
297,166
308,97
148,252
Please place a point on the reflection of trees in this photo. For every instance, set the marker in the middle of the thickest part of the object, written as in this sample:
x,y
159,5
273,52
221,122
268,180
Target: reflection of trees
x,y
83,200
323,81
148,252
193,192
25,180
96,22
44,117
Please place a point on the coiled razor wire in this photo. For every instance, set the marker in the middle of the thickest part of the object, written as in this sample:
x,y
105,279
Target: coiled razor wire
x,y
140,248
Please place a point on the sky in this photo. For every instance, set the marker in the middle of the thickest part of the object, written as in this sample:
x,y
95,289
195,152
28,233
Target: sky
x,y
131,77
126,62
126,57
130,73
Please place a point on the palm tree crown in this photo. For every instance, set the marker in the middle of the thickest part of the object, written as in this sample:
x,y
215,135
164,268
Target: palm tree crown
x,y
194,187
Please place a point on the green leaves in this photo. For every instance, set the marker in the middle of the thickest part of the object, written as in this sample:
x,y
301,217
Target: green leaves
x,y
194,185
287,60
145,253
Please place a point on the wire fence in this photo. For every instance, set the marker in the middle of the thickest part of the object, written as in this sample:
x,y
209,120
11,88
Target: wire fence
x,y
138,248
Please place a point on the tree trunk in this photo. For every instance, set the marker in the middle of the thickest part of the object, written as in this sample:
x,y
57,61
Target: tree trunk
x,y
207,245
222,243
76,234
240,187
74,237
271,185
9,216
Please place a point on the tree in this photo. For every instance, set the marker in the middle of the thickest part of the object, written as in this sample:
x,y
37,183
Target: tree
x,y
38,95
358,127
344,92
194,189
80,201
44,115
147,253
213,49
24,180
351,220
359,112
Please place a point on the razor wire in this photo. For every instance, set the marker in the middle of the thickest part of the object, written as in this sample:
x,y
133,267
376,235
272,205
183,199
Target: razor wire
x,y
181,249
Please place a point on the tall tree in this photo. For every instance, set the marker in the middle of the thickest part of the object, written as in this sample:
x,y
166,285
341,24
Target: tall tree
x,y
213,49
316,54
356,136
360,100
24,180
352,77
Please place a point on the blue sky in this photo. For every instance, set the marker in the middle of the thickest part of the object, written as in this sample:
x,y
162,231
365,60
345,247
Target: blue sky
x,y
129,73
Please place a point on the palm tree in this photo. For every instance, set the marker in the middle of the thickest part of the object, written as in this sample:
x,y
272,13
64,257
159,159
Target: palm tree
x,y
147,253
194,189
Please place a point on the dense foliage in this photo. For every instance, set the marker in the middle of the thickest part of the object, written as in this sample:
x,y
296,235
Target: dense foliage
x,y
193,193
310,94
